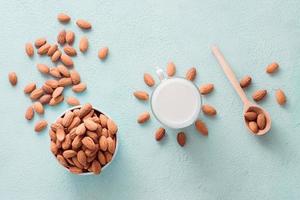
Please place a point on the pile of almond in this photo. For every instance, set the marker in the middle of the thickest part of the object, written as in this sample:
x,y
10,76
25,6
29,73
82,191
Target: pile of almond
x,y
83,140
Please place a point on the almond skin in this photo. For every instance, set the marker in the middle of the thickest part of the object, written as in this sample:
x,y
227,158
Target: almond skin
x,y
171,69
245,81
45,99
44,69
96,167
280,97
81,157
75,77
61,37
191,74
44,49
29,114
36,94
141,95
38,108
52,50
29,49
144,117
209,110
70,37
160,134
41,125
83,24
66,60
111,126
40,42
56,56
206,88
79,88
201,127
63,82
72,101
83,44
89,143
84,110
57,92
148,79
271,68
259,95
181,139
250,116
13,79
63,70
70,51
253,126
52,83
102,54
63,18
57,100
55,72
29,88
90,125
261,121
103,143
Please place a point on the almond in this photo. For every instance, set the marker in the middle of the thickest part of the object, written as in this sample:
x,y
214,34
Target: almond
x,y
259,95
102,54
52,83
112,127
69,153
171,69
271,68
141,95
81,23
44,69
245,81
55,72
63,82
79,88
63,70
261,121
103,143
57,92
206,88
101,158
81,157
208,110
66,143
160,133
89,143
75,77
38,108
29,49
253,127
36,94
111,145
108,156
60,134
90,125
62,160
67,119
96,167
29,114
77,142
75,122
40,42
66,60
72,101
13,79
103,120
56,56
84,110
83,44
181,139
80,129
77,163
53,148
52,50
61,37
44,49
41,125
29,88
57,100
45,99
280,97
191,74
70,51
144,117
148,79
70,37
63,18
201,127
250,116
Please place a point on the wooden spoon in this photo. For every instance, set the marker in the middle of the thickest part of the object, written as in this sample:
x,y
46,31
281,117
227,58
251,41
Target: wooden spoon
x,y
248,106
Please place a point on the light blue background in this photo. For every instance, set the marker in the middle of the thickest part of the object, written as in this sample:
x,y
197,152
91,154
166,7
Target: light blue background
x,y
228,164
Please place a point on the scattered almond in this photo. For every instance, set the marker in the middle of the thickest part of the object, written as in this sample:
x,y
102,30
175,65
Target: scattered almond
x,y
271,68
70,51
38,108
79,88
36,94
45,99
29,49
75,77
171,69
280,97
44,69
206,88
181,139
52,83
13,79
208,110
83,44
57,92
29,88
57,100
56,56
245,81
102,54
160,133
191,74
55,72
66,60
259,95
63,18
61,37
70,37
53,48
83,24
144,117
41,125
148,79
201,127
40,42
29,114
63,70
141,95
44,49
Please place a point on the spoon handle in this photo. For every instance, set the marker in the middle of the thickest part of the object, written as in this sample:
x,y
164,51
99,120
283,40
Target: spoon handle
x,y
229,73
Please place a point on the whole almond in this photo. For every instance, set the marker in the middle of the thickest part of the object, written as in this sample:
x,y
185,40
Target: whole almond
x,y
63,70
36,94
29,88
29,49
81,23
70,51
52,50
171,69
208,110
261,121
57,92
96,167
144,117
56,56
90,124
89,143
206,88
70,37
13,79
111,145
40,42
181,139
245,81
102,54
61,37
75,77
160,133
29,114
253,126
66,60
84,110
38,107
83,44
148,79
60,134
81,157
191,74
271,68
103,120
75,123
80,129
67,142
77,142
280,97
103,143
44,49
62,160
41,125
52,83
141,95
57,100
72,101
201,127
250,116
63,82
101,158
69,153
259,95
68,118
111,126
53,148
45,99
79,88
75,170
77,163
108,156
63,18
44,69
55,72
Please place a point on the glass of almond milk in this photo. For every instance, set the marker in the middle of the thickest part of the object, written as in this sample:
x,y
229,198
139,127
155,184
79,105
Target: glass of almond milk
x,y
176,101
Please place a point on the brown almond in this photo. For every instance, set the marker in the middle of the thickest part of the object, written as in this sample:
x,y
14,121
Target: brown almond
x,y
191,74
201,127
13,79
62,160
208,110
44,49
63,82
40,42
56,56
75,77
66,60
79,88
72,101
47,89
55,72
101,158
148,79
52,50
70,51
38,107
160,133
181,139
144,117
103,120
29,49
259,95
70,37
44,69
36,94
29,88
80,129
83,44
261,121
75,170
53,148
63,18
77,142
89,143
81,157
96,167
271,68
63,70
85,109
60,134
67,119
253,126
75,122
104,132
111,126
171,69
41,125
111,145
245,81
280,97
83,24
103,143
250,116
57,92
206,88
57,100
29,114
141,95
102,54
90,125
61,37
45,99
69,153
67,142
52,83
